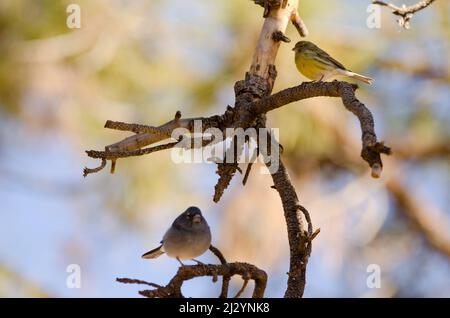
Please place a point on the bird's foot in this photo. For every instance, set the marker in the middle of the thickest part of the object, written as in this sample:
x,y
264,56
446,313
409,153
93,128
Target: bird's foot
x,y
178,259
198,262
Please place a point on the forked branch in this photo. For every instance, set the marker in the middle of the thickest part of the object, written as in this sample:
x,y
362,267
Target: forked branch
x,y
185,273
405,12
253,101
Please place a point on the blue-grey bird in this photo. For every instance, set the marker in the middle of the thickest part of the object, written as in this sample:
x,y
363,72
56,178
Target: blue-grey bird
x,y
187,238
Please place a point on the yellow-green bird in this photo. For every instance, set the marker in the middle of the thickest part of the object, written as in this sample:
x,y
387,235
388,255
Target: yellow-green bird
x,y
318,65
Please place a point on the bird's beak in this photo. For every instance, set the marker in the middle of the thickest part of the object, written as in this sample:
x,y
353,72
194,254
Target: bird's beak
x,y
197,218
293,49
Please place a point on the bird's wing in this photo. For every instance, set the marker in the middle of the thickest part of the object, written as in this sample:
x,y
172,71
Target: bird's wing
x,y
324,55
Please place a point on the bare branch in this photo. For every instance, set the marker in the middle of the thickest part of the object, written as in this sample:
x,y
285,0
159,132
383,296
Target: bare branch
x,y
244,285
184,273
298,238
421,151
226,172
137,128
252,102
136,281
300,230
146,135
271,3
371,148
227,169
87,170
277,19
299,24
405,12
226,278
156,134
124,154
295,17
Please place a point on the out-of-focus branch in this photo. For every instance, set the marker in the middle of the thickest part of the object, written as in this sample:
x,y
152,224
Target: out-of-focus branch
x,y
433,228
405,12
420,151
423,70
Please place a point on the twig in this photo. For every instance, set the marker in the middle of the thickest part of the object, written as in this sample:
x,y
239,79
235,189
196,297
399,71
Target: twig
x,y
136,281
299,24
87,170
226,278
113,156
124,154
279,36
147,135
244,285
137,128
405,12
228,167
308,219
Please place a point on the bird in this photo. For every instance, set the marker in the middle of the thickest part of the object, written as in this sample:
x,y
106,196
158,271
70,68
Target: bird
x,y
188,237
317,65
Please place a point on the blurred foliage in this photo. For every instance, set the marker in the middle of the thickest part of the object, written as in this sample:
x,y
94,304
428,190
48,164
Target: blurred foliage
x,y
13,285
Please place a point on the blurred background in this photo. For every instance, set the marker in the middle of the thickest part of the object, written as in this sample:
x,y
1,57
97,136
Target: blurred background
x,y
140,62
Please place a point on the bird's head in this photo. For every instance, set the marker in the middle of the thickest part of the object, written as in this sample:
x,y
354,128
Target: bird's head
x,y
301,46
191,218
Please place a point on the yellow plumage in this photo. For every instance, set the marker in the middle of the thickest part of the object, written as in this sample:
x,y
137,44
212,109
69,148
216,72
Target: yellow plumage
x,y
317,65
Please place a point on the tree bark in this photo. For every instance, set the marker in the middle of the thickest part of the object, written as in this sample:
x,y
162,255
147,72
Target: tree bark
x,y
258,84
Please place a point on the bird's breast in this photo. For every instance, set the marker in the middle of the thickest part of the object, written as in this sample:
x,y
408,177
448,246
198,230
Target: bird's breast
x,y
308,66
187,244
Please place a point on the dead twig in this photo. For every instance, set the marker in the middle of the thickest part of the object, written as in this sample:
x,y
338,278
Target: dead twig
x,y
405,12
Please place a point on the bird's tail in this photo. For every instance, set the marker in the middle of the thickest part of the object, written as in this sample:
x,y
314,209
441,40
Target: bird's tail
x,y
356,76
154,253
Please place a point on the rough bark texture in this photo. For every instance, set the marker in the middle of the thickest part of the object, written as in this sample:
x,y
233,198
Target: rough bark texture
x,y
371,148
258,84
267,49
297,233
253,101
